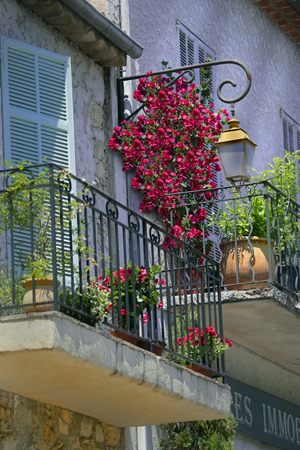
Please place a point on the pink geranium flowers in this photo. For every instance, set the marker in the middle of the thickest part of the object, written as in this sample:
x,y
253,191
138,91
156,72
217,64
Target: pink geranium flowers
x,y
172,149
194,345
134,290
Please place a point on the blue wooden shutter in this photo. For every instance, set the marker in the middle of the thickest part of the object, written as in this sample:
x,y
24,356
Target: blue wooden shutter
x,y
290,133
193,51
38,112
38,105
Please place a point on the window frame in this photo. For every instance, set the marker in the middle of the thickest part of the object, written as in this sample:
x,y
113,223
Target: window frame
x,y
9,111
207,51
293,127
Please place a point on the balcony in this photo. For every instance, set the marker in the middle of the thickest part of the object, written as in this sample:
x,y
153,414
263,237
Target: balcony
x,y
123,298
254,235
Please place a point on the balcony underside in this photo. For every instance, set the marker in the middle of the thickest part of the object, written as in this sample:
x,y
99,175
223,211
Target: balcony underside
x,y
54,359
264,326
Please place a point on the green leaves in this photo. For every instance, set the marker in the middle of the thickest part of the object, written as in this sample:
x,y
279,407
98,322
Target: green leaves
x,y
6,290
199,435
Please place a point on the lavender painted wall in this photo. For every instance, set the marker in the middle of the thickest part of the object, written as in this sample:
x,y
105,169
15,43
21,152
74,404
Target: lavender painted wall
x,y
239,30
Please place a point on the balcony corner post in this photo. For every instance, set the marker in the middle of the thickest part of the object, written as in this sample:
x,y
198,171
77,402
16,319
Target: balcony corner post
x,y
266,196
53,238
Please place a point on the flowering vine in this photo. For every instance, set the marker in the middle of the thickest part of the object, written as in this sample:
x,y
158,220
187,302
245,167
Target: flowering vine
x,y
172,149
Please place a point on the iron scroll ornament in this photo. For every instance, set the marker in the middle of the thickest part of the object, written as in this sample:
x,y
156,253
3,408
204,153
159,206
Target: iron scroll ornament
x,y
190,70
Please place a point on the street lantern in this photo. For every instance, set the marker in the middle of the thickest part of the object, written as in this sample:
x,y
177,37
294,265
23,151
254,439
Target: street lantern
x,y
236,153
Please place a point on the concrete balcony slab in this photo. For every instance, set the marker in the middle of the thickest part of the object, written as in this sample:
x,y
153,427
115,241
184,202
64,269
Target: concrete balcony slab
x,y
55,359
265,322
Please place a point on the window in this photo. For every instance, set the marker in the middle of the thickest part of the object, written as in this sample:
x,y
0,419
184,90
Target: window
x,y
37,105
37,113
290,133
193,51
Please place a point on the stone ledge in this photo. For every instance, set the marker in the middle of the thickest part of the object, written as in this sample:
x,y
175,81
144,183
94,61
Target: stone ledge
x,y
71,365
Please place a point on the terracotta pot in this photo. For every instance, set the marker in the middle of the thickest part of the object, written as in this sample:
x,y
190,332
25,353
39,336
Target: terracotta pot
x,y
43,293
260,263
184,277
201,370
132,339
158,351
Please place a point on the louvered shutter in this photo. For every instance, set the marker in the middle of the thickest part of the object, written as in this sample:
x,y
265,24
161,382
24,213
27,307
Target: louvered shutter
x,y
182,49
193,51
38,105
38,111
298,139
285,135
290,133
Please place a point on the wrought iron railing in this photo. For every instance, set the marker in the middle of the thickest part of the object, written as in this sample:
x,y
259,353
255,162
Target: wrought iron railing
x,y
110,266
253,234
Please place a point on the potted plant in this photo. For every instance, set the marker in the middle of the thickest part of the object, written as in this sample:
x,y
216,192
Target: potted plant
x,y
24,207
133,291
253,211
283,175
194,347
91,299
37,278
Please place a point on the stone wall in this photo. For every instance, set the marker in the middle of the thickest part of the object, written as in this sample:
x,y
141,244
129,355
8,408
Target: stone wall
x,y
29,425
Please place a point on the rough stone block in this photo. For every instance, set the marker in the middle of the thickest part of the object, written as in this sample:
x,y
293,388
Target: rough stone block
x,y
29,3
99,433
66,415
89,47
65,19
112,435
63,427
86,427
106,53
81,38
44,11
76,28
114,62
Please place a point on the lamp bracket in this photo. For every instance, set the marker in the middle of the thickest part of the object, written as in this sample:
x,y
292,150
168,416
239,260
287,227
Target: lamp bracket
x,y
183,71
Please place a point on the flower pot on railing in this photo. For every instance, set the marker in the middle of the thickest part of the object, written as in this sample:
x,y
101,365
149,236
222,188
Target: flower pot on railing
x,y
202,370
43,293
156,349
131,338
135,340
260,263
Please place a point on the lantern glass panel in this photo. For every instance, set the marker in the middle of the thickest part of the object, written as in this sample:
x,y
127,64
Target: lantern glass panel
x,y
249,159
232,157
